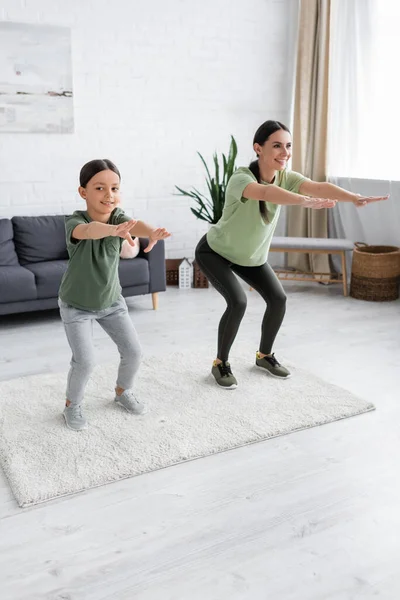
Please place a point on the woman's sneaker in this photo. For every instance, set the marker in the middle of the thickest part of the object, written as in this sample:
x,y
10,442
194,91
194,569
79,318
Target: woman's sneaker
x,y
74,418
272,366
223,375
129,401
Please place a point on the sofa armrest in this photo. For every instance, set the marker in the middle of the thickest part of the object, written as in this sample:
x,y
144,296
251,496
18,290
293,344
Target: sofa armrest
x,y
156,259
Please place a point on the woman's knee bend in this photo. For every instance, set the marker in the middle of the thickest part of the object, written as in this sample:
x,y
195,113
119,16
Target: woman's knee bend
x,y
280,303
277,302
239,306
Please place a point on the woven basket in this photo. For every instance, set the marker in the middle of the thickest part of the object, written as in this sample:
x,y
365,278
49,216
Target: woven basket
x,y
200,280
375,273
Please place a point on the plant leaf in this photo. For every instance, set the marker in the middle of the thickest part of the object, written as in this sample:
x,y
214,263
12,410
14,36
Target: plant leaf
x,y
210,208
207,200
183,192
199,215
225,163
205,165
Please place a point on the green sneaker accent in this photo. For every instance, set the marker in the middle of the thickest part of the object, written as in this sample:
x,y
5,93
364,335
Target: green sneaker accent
x,y
223,375
74,418
272,366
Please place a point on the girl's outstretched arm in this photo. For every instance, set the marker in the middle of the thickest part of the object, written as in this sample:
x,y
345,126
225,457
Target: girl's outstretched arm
x,y
98,231
141,229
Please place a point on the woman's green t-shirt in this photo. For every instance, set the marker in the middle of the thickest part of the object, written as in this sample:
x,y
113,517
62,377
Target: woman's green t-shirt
x,y
241,235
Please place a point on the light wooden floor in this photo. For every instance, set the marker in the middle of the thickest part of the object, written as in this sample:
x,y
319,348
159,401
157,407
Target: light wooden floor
x,y
310,516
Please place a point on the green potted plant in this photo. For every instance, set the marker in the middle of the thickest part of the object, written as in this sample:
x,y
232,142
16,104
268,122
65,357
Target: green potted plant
x,y
210,208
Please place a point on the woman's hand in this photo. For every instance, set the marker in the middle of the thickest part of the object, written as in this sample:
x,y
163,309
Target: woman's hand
x,y
155,236
361,201
123,230
318,202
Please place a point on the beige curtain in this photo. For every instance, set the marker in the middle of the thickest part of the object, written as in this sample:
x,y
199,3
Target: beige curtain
x,y
310,125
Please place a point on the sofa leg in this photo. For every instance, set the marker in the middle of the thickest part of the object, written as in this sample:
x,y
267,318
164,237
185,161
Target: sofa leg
x,y
155,300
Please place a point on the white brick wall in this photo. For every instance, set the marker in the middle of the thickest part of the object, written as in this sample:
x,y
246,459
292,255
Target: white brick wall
x,y
154,82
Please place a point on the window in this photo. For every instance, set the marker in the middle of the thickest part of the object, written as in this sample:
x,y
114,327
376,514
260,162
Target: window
x,y
364,115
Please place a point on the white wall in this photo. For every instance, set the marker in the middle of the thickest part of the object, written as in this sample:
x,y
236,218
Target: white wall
x,y
154,82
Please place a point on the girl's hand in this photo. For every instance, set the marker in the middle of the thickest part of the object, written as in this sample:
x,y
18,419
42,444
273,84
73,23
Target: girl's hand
x,y
318,203
155,236
123,230
364,200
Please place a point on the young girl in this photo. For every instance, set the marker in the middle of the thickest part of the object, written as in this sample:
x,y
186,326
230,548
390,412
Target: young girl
x,y
239,242
90,289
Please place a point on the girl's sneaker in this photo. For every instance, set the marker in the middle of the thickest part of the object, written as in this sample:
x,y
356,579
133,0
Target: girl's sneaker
x,y
129,401
74,418
223,375
272,366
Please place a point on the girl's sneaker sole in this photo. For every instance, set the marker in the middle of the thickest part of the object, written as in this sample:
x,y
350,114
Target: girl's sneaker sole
x,y
131,412
73,428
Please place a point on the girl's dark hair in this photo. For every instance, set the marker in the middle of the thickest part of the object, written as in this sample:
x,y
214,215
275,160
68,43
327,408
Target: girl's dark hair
x,y
95,166
260,137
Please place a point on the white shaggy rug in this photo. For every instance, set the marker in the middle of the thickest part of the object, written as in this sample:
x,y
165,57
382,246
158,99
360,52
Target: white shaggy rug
x,y
187,417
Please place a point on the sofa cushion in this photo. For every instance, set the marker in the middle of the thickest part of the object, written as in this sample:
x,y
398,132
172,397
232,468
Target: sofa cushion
x,y
8,256
16,284
48,276
39,239
134,272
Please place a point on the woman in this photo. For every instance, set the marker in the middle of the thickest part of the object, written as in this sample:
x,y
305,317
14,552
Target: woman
x,y
239,242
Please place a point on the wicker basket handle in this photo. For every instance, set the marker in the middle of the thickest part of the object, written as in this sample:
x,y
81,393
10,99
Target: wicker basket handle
x,y
360,244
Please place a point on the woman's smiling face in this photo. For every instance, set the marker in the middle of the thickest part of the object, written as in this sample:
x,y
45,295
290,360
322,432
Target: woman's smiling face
x,y
276,151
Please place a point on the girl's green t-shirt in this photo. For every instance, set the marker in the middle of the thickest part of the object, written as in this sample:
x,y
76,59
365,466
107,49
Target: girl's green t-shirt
x,y
241,235
91,281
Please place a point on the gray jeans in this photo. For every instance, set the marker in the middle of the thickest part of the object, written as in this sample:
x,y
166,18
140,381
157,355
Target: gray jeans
x,y
78,325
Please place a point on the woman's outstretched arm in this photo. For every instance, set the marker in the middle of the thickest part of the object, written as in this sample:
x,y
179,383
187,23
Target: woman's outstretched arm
x,y
324,189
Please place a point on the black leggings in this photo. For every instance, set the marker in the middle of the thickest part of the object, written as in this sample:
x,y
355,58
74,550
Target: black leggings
x,y
220,272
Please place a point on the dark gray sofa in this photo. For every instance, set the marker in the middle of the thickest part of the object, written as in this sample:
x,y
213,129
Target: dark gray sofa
x,y
33,259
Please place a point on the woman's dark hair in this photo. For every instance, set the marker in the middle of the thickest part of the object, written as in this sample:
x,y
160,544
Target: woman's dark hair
x,y
260,137
96,166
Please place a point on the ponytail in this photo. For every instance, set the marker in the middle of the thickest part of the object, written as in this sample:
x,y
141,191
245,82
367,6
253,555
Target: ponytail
x,y
255,169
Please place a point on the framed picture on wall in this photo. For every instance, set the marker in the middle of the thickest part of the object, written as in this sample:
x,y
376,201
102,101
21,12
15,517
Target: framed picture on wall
x,y
35,79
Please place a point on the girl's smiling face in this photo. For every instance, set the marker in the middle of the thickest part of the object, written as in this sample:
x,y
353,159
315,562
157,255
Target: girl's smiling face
x,y
102,193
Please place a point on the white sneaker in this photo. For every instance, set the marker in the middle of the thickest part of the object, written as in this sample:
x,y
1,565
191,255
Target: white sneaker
x,y
129,401
74,418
